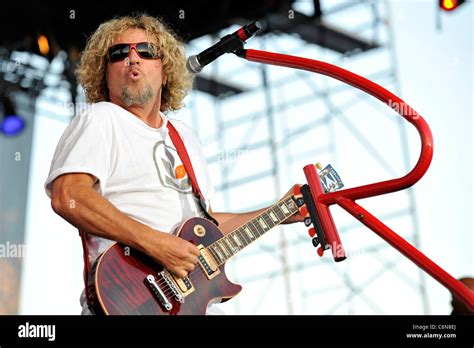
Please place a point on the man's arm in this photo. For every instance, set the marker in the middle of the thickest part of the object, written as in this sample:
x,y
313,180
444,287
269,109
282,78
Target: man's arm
x,y
228,222
231,221
74,198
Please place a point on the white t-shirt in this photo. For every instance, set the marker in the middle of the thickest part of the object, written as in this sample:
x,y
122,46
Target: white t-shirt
x,y
137,167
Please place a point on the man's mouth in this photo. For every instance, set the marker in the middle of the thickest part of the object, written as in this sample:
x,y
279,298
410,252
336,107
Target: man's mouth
x,y
134,74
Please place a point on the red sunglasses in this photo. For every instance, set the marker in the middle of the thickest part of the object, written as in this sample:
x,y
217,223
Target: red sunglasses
x,y
144,50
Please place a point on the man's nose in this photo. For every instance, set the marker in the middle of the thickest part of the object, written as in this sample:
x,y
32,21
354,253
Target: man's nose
x,y
133,57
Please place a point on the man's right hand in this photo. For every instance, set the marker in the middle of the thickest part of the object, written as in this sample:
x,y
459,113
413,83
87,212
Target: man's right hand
x,y
174,253
76,200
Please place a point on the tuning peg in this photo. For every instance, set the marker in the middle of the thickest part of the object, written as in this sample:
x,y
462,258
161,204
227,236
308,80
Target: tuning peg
x,y
315,241
320,251
318,166
312,232
297,191
307,221
299,202
303,211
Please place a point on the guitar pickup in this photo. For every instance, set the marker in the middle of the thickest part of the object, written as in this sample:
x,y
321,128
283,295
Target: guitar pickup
x,y
207,263
184,285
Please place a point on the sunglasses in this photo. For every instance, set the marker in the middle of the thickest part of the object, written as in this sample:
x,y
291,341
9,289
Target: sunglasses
x,y
145,50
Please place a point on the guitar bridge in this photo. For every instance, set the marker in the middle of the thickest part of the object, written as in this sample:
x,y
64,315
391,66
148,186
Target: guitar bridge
x,y
160,295
168,278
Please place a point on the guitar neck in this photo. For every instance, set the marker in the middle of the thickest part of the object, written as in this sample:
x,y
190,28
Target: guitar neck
x,y
229,245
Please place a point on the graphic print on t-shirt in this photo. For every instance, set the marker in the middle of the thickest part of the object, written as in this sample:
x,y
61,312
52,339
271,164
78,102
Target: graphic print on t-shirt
x,y
169,168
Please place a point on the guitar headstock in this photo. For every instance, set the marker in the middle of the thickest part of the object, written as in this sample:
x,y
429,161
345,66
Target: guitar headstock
x,y
330,182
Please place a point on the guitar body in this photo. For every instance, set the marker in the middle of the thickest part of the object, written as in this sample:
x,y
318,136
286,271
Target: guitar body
x,y
117,283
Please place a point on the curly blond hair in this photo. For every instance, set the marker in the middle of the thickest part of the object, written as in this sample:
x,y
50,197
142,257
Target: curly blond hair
x,y
92,66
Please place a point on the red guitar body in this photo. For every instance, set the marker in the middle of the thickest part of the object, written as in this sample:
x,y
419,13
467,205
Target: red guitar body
x,y
118,282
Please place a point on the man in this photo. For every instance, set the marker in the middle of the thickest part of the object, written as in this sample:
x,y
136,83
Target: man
x,y
116,174
459,307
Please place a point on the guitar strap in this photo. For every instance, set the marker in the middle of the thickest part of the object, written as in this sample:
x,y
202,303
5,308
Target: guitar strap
x,y
183,155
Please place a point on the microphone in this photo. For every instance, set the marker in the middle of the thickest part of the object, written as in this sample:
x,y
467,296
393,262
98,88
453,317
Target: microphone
x,y
229,43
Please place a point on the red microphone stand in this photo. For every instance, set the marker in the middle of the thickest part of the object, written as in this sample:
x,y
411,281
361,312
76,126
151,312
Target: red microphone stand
x,y
320,201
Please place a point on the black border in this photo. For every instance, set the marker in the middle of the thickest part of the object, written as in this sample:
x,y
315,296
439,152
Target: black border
x,y
288,331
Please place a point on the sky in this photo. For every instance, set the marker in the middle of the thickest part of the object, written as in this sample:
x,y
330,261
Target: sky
x,y
435,77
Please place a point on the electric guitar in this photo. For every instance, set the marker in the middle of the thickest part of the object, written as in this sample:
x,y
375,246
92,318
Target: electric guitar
x,y
125,281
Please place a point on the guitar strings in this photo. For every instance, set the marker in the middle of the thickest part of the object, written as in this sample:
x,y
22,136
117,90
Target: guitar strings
x,y
193,276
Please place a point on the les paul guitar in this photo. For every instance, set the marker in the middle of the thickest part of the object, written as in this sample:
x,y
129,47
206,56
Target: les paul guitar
x,y
129,282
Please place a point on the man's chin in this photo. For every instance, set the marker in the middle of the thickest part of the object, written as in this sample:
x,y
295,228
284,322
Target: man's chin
x,y
133,81
135,90
136,94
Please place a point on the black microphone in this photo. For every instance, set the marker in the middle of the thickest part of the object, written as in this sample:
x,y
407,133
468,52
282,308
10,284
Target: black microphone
x,y
229,43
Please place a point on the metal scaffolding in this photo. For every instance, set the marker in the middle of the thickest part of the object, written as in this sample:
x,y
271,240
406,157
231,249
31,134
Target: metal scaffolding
x,y
280,120
261,124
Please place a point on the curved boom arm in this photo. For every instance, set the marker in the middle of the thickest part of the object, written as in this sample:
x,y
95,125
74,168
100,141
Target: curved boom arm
x,y
346,198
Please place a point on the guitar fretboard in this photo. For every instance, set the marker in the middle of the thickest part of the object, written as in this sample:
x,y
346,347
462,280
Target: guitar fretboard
x,y
229,245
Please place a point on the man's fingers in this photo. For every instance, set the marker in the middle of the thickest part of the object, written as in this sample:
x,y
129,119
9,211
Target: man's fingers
x,y
194,251
181,273
183,270
189,267
191,259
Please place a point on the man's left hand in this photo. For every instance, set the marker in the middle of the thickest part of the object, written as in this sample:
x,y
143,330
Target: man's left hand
x,y
296,217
